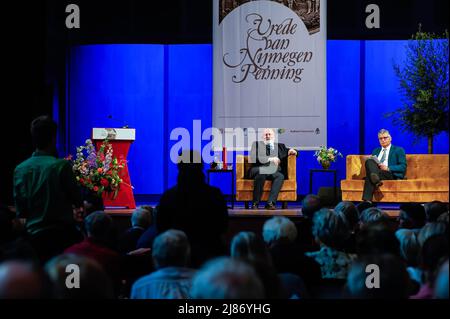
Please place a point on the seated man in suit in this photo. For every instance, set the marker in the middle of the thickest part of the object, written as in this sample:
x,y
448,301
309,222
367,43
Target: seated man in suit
x,y
268,161
387,162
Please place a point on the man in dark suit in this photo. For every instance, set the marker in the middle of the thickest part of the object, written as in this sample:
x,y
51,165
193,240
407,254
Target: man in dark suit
x,y
269,161
387,162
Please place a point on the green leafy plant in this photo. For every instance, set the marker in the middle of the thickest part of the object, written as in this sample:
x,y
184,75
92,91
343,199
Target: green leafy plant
x,y
424,87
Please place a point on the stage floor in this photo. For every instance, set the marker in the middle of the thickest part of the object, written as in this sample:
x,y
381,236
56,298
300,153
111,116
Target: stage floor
x,y
242,212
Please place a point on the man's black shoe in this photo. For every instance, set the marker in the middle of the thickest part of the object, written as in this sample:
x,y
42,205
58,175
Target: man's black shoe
x,y
375,179
254,205
270,206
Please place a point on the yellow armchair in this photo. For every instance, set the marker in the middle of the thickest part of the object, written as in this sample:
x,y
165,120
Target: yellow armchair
x,y
244,186
426,180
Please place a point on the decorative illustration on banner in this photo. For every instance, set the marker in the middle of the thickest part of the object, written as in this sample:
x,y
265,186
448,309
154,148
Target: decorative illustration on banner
x,y
307,10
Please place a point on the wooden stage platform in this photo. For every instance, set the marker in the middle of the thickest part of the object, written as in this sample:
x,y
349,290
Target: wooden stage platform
x,y
240,219
242,212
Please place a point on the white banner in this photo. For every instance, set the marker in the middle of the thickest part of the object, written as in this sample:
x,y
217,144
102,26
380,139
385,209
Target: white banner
x,y
270,70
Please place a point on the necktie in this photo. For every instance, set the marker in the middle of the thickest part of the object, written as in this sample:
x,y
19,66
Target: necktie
x,y
383,156
268,149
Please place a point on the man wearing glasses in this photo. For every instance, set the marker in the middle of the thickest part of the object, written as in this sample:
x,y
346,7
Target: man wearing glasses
x,y
386,162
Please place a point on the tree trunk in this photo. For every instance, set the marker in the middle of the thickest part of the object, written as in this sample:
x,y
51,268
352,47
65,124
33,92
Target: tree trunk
x,y
430,144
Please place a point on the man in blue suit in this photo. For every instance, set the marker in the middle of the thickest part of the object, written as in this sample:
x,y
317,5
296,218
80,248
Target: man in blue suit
x,y
387,162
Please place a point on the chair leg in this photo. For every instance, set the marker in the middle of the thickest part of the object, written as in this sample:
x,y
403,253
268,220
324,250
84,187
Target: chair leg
x,y
284,205
246,205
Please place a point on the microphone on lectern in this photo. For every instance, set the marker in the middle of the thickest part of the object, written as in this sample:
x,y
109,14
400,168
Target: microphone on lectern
x,y
122,123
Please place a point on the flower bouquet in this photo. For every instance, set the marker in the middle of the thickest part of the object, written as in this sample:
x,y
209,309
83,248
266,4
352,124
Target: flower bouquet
x,y
97,171
326,156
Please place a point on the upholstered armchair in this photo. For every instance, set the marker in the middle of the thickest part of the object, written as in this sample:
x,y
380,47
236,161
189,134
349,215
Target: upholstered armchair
x,y
244,185
426,180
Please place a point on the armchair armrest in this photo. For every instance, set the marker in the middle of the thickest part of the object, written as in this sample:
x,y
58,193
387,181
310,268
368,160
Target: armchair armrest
x,y
355,168
292,167
240,165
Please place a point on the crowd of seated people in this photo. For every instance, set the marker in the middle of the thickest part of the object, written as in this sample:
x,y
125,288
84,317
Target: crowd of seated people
x,y
178,249
272,264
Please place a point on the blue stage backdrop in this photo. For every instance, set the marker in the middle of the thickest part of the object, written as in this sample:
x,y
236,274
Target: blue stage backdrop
x,y
157,88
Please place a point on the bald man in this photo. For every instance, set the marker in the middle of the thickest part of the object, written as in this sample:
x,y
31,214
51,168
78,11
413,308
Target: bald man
x,y
269,162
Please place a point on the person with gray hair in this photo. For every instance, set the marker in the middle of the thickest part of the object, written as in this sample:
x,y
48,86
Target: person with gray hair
x,y
93,282
372,215
287,254
331,233
226,278
279,228
386,162
141,219
172,279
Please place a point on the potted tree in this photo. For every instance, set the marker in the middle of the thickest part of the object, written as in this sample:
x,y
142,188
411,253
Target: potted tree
x,y
424,87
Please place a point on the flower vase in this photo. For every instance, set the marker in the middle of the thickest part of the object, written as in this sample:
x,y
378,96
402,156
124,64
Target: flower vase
x,y
325,165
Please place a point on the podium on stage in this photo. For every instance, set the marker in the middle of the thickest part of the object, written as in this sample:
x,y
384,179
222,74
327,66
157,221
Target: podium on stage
x,y
120,139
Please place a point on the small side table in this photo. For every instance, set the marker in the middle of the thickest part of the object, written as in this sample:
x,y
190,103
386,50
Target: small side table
x,y
223,171
332,171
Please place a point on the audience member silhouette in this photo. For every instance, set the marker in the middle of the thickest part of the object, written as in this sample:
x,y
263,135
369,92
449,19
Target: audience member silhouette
x,y
23,280
226,278
310,205
149,235
372,215
172,278
431,229
141,219
412,216
195,208
434,209
441,284
377,238
433,254
410,252
248,247
389,280
287,253
93,281
350,215
331,233
97,245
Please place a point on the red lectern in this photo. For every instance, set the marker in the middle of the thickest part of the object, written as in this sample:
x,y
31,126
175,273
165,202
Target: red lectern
x,y
120,139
